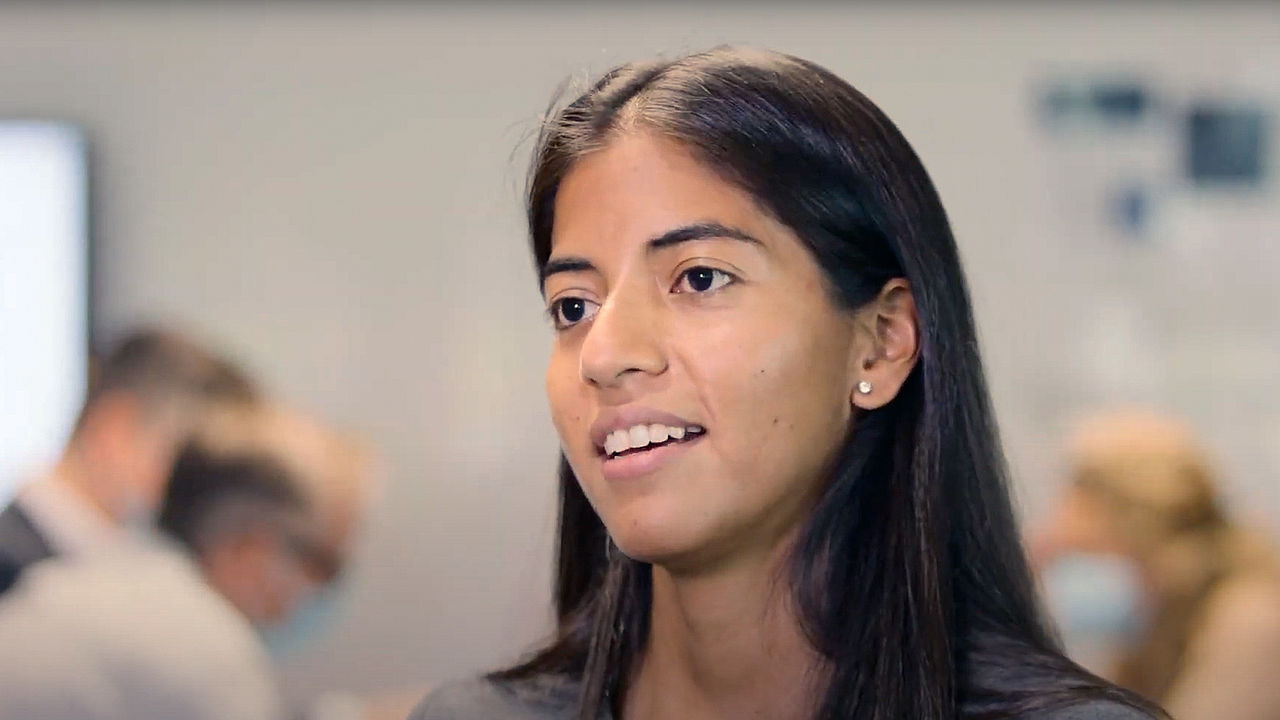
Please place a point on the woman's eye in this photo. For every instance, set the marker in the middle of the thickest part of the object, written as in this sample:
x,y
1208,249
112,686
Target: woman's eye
x,y
702,280
570,311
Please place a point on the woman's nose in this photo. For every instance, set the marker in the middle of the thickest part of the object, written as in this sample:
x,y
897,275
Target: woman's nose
x,y
624,339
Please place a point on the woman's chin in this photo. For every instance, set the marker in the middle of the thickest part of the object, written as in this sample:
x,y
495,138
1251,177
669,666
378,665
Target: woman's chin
x,y
657,544
647,549
679,550
658,529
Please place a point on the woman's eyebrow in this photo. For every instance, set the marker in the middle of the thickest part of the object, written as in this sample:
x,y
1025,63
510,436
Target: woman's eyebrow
x,y
564,265
700,231
675,236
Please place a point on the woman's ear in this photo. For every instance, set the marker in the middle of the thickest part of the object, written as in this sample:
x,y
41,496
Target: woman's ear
x,y
890,328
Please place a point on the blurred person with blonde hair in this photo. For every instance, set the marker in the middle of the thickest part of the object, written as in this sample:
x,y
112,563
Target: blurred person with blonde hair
x,y
257,520
145,396
1153,585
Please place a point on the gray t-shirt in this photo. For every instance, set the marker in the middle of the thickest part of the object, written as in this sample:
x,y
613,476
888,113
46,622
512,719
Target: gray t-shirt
x,y
131,631
554,700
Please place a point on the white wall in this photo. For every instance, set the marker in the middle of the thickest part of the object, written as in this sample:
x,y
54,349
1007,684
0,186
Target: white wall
x,y
331,191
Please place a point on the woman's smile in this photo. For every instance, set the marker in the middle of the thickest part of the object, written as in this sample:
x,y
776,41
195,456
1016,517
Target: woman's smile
x,y
633,441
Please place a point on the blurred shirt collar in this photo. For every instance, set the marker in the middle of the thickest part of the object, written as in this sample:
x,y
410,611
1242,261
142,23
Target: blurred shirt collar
x,y
69,522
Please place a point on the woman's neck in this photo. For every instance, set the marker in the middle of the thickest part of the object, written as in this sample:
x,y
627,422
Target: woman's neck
x,y
724,645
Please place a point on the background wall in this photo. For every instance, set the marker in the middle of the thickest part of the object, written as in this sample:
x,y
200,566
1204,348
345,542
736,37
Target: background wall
x,y
331,191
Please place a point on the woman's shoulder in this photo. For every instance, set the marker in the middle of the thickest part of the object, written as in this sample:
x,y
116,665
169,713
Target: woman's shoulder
x,y
483,698
1093,710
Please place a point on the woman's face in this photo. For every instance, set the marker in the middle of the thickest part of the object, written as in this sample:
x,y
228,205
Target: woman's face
x,y
701,375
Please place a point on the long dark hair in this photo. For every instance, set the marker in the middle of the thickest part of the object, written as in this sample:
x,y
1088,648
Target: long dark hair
x,y
909,578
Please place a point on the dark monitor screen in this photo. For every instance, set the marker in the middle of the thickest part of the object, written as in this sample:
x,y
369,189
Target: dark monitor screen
x,y
1226,144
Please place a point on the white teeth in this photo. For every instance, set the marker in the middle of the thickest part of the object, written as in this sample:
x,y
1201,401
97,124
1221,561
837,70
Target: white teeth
x,y
621,440
658,433
639,436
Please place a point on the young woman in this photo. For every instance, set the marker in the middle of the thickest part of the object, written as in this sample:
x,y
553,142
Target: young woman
x,y
782,494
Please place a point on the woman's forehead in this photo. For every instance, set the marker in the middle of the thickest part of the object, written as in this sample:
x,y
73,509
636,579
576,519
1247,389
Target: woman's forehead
x,y
640,187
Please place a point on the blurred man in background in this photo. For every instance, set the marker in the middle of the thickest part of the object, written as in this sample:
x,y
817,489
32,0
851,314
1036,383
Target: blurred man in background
x,y
259,513
1152,584
143,400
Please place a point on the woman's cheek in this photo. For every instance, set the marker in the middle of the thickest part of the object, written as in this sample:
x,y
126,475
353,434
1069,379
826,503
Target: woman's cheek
x,y
566,416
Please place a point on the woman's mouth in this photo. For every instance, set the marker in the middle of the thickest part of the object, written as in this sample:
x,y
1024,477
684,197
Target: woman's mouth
x,y
641,438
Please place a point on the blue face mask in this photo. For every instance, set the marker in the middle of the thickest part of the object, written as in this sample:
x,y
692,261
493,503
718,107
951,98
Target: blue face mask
x,y
1098,605
310,621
